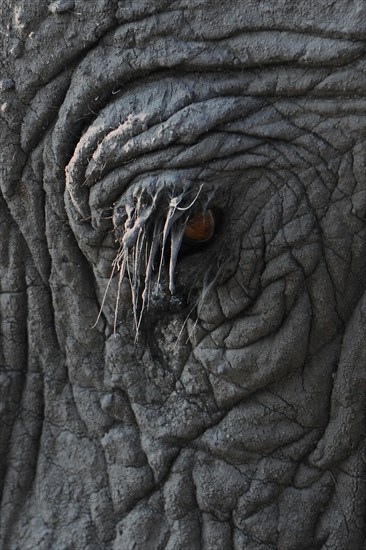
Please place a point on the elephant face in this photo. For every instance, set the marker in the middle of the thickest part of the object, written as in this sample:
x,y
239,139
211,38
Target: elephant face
x,y
183,207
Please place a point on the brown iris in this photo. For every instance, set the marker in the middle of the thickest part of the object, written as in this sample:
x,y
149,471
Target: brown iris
x,y
200,227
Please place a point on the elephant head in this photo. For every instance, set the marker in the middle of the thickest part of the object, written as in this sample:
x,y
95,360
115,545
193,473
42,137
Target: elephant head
x,y
183,275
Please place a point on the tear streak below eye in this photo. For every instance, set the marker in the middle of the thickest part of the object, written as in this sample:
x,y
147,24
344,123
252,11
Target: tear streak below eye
x,y
200,227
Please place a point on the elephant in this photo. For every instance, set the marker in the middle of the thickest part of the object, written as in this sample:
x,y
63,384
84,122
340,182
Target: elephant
x,y
183,289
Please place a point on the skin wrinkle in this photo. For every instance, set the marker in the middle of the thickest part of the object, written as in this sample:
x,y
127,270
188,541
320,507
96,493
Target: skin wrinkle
x,y
347,270
179,406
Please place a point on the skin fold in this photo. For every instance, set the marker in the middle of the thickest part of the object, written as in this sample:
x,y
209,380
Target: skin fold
x,y
168,383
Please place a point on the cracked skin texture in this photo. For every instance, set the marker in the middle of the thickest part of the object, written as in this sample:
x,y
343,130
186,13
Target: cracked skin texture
x,y
237,418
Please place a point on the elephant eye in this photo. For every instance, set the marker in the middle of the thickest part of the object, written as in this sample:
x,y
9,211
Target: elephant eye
x,y
200,227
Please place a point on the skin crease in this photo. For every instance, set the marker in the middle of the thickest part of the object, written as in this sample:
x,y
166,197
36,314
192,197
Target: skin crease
x,y
157,394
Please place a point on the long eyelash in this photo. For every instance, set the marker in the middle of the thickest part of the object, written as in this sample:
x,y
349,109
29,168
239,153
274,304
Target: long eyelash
x,y
137,252
176,237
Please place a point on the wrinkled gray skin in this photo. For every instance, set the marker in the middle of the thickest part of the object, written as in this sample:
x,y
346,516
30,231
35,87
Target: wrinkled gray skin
x,y
235,416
